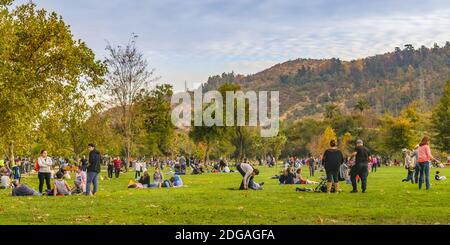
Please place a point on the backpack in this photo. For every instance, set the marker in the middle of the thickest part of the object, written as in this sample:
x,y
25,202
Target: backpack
x,y
36,166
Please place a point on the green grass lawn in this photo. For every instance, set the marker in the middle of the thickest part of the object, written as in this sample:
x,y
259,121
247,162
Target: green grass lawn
x,y
214,199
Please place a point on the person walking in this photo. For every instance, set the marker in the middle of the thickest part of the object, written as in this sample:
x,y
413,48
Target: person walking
x,y
110,168
409,166
44,164
117,166
93,169
332,161
361,166
374,164
425,157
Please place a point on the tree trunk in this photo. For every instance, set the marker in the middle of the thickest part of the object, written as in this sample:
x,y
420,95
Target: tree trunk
x,y
10,155
206,154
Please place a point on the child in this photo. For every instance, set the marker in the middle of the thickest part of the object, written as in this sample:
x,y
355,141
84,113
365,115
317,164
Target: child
x,y
4,179
80,182
439,178
16,170
60,187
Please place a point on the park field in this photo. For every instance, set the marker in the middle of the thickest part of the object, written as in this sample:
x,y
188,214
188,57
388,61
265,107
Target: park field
x,y
214,199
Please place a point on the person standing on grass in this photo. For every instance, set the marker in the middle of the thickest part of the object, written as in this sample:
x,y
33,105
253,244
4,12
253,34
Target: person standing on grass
x,y
84,163
93,169
44,173
425,157
409,165
361,166
415,159
117,166
311,164
137,169
374,164
110,168
332,161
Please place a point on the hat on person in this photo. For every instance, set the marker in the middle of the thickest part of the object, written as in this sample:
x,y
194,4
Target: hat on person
x,y
359,142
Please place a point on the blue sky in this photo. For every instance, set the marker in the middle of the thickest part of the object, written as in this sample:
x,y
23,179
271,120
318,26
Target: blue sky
x,y
191,40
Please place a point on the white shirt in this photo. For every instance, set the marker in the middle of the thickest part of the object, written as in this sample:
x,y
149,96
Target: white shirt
x,y
45,164
248,170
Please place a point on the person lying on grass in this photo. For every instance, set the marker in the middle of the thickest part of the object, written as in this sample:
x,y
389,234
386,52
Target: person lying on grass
x,y
60,187
22,190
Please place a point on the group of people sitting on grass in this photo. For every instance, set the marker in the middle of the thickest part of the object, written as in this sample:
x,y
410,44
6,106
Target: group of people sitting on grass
x,y
158,181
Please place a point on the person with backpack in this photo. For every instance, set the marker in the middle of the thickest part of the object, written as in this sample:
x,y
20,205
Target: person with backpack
x,y
93,169
332,161
360,167
43,167
424,159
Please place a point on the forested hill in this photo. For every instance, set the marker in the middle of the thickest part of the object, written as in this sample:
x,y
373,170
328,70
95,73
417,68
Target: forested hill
x,y
388,81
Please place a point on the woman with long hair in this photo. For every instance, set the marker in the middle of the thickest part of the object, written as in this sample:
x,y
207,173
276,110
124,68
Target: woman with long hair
x,y
424,160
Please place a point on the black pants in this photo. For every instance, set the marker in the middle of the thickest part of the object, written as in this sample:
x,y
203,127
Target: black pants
x,y
362,170
374,167
110,172
117,172
42,177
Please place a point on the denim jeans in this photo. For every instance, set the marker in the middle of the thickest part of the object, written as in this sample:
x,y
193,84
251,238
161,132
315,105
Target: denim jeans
x,y
424,169
92,177
410,177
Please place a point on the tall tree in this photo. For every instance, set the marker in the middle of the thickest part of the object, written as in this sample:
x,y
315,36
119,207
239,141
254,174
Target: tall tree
x,y
39,60
361,105
441,120
128,76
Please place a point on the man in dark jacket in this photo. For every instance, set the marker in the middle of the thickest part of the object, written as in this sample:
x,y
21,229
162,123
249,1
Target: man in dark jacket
x,y
361,166
93,169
